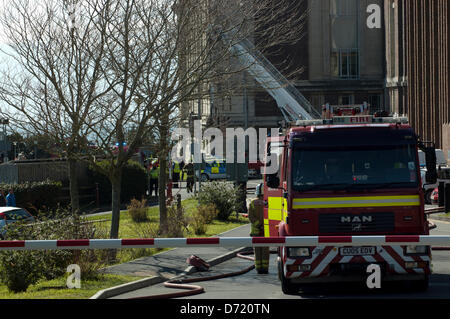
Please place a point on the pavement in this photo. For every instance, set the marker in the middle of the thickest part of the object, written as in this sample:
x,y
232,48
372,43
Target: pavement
x,y
168,265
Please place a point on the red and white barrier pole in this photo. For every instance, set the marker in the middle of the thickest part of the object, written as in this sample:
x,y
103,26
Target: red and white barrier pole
x,y
434,240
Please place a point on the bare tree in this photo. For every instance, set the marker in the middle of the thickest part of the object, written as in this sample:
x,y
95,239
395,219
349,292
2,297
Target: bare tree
x,y
131,65
54,78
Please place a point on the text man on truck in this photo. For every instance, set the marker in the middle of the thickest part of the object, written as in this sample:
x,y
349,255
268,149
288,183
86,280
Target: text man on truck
x,y
348,174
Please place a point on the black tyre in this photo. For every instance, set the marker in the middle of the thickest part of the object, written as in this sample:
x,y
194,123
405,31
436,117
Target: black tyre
x,y
287,286
204,177
420,285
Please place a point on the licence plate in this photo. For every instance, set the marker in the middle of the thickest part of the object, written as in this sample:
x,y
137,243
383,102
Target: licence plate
x,y
357,251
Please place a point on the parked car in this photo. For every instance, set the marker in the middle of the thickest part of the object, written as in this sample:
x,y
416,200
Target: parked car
x,y
434,197
10,215
215,168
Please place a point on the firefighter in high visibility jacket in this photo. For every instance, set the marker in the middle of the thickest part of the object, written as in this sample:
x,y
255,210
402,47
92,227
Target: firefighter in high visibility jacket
x,y
154,175
190,176
176,174
256,216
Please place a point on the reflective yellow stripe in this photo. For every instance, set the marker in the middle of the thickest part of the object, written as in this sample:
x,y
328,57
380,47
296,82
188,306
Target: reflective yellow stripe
x,y
285,210
363,201
266,228
274,214
275,208
355,205
355,198
275,203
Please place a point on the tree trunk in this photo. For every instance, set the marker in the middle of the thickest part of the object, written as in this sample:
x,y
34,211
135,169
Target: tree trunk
x,y
163,226
74,192
116,182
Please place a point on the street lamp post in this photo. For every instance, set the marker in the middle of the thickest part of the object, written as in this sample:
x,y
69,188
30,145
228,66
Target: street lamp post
x,y
15,143
4,122
197,168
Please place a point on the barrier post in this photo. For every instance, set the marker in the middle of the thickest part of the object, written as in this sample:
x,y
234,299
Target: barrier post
x,y
441,198
447,198
97,195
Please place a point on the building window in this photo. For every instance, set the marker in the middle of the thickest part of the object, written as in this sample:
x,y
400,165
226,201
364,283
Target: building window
x,y
347,99
376,102
344,63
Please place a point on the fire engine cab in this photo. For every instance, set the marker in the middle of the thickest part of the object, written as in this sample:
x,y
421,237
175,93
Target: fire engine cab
x,y
349,173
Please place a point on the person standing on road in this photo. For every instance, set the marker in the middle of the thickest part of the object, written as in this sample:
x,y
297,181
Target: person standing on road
x,y
2,198
11,199
182,172
256,216
154,175
189,177
176,174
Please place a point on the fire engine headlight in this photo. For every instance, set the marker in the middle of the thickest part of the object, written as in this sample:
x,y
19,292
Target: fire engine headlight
x,y
299,252
416,249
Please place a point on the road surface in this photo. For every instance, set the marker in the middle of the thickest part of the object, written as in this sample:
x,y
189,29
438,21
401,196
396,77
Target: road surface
x,y
253,286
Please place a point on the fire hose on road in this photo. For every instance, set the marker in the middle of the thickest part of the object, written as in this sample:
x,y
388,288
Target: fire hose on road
x,y
195,289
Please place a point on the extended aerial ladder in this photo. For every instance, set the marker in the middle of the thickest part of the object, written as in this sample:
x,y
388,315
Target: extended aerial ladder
x,y
293,105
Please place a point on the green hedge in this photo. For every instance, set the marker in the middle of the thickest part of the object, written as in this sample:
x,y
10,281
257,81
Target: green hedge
x,y
35,196
134,182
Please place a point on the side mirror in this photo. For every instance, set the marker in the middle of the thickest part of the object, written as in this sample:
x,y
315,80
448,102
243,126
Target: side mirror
x,y
273,181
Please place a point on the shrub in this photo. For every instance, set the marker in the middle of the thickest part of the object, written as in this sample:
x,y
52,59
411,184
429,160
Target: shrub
x,y
207,212
134,182
19,269
35,196
198,225
138,210
222,195
201,217
177,221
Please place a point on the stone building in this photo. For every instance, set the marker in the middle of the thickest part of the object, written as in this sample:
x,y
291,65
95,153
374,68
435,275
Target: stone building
x,y
417,59
338,60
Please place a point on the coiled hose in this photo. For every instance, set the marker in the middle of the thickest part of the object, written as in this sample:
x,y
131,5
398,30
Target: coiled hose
x,y
195,289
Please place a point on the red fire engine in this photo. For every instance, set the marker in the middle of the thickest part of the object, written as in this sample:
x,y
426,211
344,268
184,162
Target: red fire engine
x,y
349,173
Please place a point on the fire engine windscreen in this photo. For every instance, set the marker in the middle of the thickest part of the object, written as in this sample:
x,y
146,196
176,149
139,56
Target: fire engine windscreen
x,y
354,167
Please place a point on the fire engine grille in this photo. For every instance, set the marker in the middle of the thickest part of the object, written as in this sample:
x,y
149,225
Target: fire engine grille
x,y
356,223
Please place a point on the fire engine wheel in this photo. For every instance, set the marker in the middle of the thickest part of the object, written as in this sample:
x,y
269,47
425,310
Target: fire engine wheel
x,y
287,286
420,285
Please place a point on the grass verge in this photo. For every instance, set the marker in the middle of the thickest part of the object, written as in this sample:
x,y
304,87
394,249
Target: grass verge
x,y
57,288
147,229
